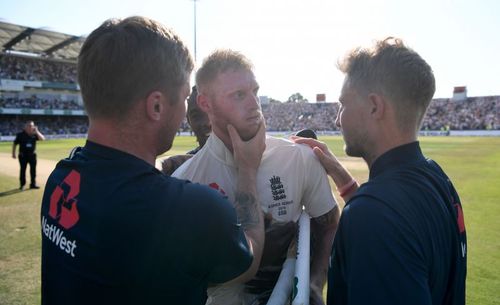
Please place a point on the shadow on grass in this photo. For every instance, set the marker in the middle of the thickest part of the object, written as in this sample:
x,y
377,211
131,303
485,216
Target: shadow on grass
x,y
10,192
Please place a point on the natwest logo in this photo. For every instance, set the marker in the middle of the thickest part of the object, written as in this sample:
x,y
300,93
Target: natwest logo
x,y
63,204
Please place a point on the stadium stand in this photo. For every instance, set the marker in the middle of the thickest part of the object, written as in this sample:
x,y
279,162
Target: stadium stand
x,y
35,102
297,116
55,125
37,69
38,82
473,113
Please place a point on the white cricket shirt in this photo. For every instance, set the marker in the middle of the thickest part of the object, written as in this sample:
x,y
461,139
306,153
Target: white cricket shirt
x,y
290,176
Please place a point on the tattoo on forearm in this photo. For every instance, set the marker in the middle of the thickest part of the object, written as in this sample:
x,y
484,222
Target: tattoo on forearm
x,y
247,210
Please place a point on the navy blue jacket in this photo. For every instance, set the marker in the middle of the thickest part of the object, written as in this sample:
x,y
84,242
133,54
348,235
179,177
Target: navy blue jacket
x,y
117,231
401,238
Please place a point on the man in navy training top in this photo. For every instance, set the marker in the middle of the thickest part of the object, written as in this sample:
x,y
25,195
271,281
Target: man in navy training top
x,y
401,237
26,140
115,230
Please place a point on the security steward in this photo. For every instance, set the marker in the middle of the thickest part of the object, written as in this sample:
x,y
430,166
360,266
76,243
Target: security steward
x,y
27,152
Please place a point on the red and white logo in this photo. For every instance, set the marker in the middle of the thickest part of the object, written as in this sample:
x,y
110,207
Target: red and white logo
x,y
216,187
460,218
63,204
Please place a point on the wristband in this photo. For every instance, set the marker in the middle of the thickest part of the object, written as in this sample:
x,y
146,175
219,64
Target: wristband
x,y
346,188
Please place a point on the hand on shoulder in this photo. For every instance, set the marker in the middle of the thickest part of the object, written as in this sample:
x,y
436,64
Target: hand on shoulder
x,y
170,164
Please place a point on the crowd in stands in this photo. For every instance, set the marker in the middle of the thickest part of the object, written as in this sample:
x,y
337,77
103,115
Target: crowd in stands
x,y
296,116
36,69
49,125
475,113
38,103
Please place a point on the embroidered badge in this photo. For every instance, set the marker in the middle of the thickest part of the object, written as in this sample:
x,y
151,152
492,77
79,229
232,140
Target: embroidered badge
x,y
277,188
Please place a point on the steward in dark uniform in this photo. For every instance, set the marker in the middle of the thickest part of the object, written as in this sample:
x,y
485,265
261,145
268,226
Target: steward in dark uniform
x,y
27,152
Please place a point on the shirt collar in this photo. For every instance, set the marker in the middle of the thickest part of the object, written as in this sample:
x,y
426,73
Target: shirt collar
x,y
396,157
107,152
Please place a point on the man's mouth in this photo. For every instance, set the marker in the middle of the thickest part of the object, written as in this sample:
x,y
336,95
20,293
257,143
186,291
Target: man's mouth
x,y
255,118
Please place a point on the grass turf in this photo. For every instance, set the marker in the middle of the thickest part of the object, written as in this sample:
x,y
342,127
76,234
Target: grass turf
x,y
472,163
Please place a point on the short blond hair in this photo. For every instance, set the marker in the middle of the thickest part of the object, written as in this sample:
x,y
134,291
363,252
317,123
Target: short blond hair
x,y
394,70
217,62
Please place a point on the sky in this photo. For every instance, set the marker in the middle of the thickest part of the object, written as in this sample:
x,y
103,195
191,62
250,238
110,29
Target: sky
x,y
295,45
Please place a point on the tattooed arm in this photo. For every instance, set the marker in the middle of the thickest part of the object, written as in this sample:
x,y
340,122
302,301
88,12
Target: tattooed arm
x,y
247,156
323,230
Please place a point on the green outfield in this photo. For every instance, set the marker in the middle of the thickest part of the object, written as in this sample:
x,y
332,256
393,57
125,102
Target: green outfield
x,y
473,164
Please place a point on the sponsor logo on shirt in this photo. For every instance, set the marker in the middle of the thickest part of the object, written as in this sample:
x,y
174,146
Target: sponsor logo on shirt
x,y
56,235
460,218
63,209
216,187
63,202
461,226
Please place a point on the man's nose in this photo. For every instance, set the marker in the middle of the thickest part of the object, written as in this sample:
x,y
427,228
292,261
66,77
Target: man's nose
x,y
254,101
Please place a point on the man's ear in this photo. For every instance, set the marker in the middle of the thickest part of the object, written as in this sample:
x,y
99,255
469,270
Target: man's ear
x,y
203,102
378,105
155,105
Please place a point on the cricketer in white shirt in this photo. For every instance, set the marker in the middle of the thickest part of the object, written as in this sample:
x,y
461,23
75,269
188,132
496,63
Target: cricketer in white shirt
x,y
289,177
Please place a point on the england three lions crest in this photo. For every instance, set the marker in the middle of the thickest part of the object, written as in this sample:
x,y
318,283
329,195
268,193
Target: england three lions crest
x,y
277,188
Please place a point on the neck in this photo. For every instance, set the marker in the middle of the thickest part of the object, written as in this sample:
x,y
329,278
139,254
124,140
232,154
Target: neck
x,y
224,137
129,139
387,133
386,142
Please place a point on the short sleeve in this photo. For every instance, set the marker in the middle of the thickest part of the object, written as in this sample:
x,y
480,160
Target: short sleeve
x,y
317,197
227,247
233,255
